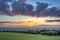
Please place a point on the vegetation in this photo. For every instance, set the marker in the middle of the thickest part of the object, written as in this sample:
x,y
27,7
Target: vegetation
x,y
42,32
22,36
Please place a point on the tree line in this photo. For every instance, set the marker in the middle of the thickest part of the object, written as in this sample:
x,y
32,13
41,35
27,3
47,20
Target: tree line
x,y
42,32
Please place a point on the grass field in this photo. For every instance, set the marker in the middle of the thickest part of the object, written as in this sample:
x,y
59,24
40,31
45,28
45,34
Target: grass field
x,y
21,36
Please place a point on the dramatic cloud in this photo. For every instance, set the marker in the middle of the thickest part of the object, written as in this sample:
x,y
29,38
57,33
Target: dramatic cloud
x,y
4,6
40,8
20,7
6,22
53,20
16,22
52,12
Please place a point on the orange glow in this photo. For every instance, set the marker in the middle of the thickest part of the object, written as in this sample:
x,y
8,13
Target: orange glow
x,y
27,24
32,22
53,23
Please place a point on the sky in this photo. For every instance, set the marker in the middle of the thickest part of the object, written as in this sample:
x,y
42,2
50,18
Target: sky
x,y
37,13
55,3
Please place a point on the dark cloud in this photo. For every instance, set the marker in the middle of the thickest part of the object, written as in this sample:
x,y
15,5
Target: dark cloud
x,y
54,11
53,20
6,22
3,5
22,8
9,22
17,7
15,22
40,7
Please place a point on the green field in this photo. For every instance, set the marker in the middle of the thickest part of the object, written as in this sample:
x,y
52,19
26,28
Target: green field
x,y
21,36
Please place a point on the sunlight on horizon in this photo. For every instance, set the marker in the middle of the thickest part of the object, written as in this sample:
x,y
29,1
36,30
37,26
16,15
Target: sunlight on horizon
x,y
28,21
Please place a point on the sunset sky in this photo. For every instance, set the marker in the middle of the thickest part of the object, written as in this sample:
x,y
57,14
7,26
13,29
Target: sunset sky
x,y
49,15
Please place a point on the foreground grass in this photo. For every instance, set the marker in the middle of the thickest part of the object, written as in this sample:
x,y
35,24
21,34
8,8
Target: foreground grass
x,y
21,36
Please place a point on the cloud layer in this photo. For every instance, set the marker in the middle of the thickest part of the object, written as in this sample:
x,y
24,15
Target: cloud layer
x,y
53,20
22,8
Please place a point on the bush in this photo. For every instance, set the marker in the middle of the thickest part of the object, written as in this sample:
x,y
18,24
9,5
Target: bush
x,y
52,33
43,33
